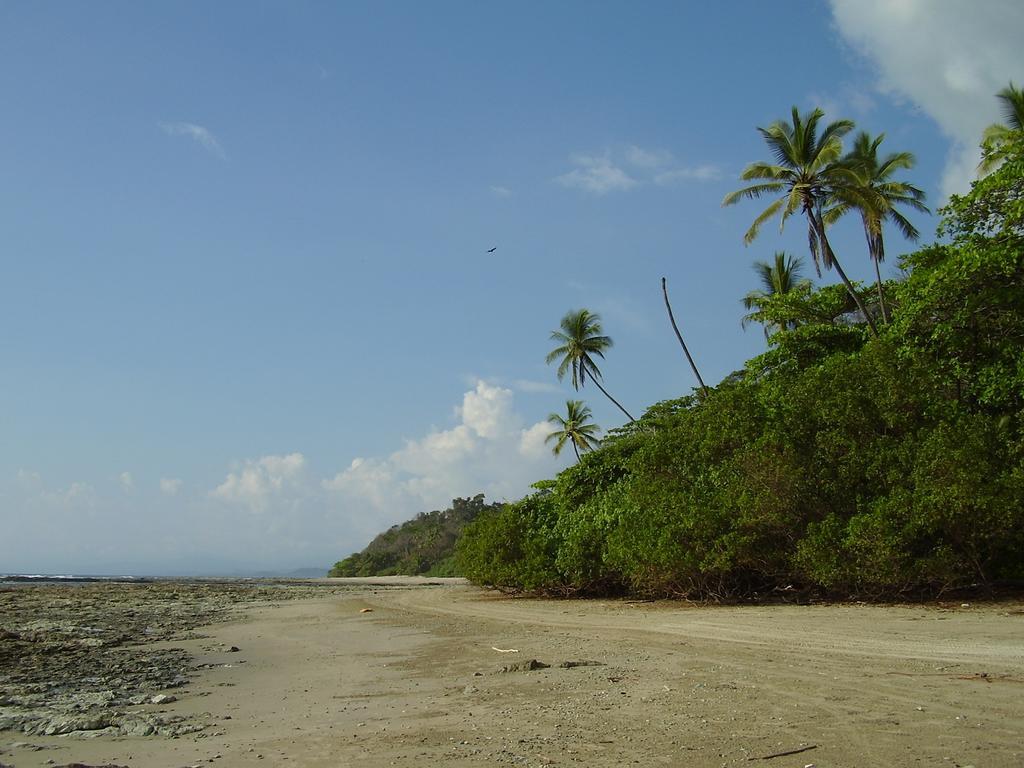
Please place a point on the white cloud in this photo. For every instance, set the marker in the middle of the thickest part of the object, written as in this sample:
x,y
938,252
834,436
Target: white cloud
x,y
948,58
29,479
705,172
76,494
487,410
596,174
366,478
647,158
487,451
374,487
436,452
499,191
600,174
126,480
533,387
34,491
270,512
531,441
258,481
197,133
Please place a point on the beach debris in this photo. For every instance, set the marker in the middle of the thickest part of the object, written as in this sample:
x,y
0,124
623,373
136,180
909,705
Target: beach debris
x,y
525,666
795,751
580,663
366,610
505,650
163,698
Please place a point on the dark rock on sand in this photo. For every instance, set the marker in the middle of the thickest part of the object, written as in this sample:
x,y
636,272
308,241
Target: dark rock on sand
x,y
77,659
525,666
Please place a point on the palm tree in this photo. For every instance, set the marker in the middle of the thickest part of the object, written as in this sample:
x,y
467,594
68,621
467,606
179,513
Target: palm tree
x,y
996,135
782,277
580,341
877,198
573,428
807,173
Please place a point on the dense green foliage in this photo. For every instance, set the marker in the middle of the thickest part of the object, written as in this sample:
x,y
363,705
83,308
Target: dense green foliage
x,y
838,461
423,545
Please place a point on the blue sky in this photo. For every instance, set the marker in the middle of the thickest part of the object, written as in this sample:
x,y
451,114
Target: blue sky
x,y
249,314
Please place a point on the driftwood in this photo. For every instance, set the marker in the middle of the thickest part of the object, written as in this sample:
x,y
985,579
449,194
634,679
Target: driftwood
x,y
796,751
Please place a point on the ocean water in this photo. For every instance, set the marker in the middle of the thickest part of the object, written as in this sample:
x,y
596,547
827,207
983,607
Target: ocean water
x,y
58,578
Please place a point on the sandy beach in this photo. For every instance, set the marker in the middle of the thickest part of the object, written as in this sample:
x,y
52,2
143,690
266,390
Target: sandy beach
x,y
403,672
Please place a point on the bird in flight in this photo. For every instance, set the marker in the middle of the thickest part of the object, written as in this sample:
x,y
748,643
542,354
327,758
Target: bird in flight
x,y
492,250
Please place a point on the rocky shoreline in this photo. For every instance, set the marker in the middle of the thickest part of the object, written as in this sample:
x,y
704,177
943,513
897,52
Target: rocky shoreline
x,y
98,659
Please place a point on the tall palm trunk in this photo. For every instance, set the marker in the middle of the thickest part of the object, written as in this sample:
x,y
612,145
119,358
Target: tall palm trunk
x,y
617,403
829,256
672,319
876,251
575,450
881,293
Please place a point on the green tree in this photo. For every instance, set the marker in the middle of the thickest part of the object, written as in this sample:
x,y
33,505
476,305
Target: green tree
x,y
878,196
574,428
778,279
832,463
580,341
963,302
995,138
806,175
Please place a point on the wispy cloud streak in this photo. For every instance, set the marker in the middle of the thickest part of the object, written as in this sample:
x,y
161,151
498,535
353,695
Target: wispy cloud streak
x,y
601,174
198,134
596,174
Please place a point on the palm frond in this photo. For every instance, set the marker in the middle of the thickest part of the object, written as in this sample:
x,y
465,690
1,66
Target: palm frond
x,y
563,369
766,214
833,134
555,353
780,140
769,171
1013,106
908,230
753,192
894,162
835,212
